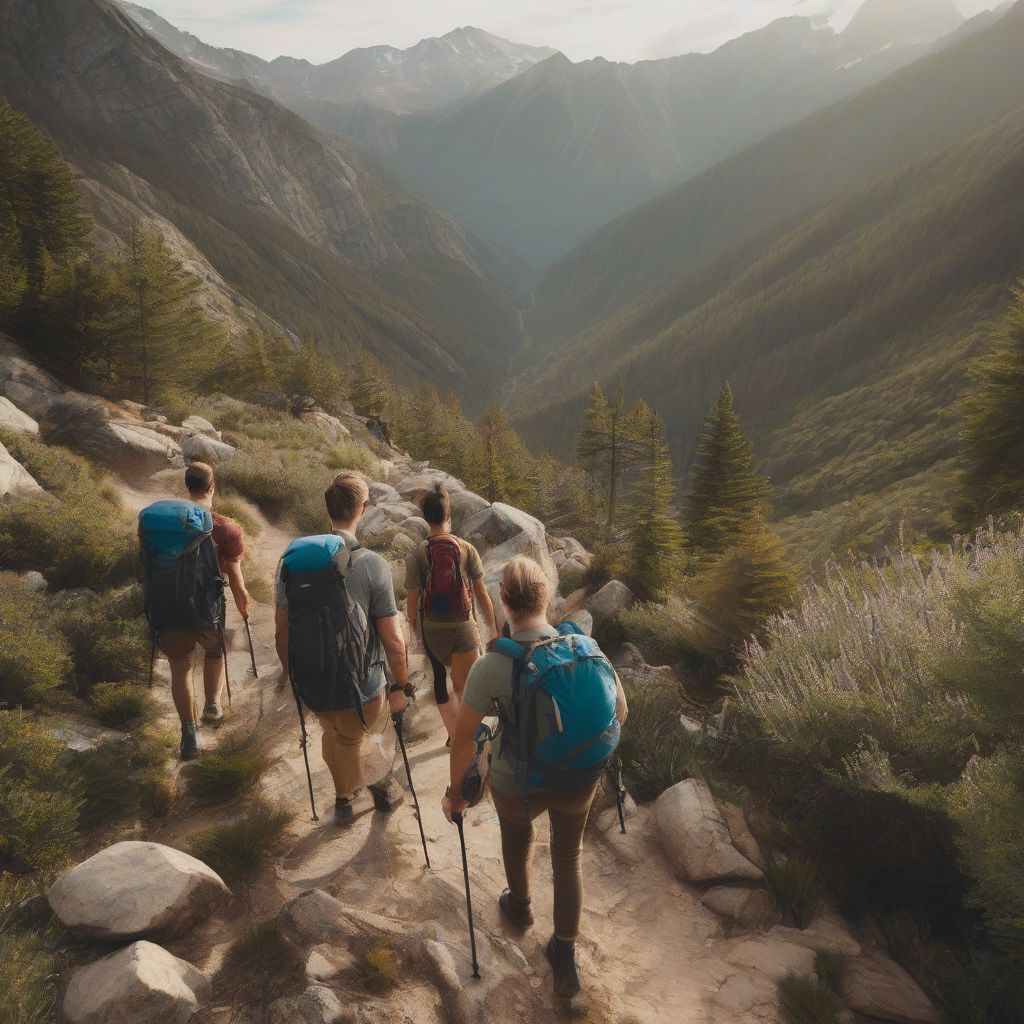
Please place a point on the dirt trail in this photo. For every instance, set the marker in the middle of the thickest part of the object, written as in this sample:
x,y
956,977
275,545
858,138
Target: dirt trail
x,y
649,951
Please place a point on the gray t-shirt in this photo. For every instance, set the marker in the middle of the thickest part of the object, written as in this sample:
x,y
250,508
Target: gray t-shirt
x,y
371,587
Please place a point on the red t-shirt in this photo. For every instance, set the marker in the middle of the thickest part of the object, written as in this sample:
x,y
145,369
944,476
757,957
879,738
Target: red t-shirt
x,y
229,539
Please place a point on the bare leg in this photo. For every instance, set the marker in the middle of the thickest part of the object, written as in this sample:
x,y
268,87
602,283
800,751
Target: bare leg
x,y
213,677
462,662
181,688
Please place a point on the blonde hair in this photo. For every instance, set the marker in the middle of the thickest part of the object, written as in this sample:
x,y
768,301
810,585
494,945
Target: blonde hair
x,y
345,497
524,587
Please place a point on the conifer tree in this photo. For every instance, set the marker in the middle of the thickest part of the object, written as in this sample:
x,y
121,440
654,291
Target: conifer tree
x,y
608,446
371,388
724,489
741,589
311,372
992,436
165,333
506,468
655,537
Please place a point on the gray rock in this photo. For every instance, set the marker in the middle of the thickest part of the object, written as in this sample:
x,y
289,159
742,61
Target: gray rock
x,y
465,505
134,889
83,423
415,527
735,820
330,426
446,974
610,601
140,984
877,987
417,486
200,448
383,494
15,480
628,658
200,425
584,620
30,388
571,551
752,909
315,917
694,838
772,956
33,582
12,418
317,1005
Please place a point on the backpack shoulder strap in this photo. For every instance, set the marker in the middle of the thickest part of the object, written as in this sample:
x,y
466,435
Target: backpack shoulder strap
x,y
511,649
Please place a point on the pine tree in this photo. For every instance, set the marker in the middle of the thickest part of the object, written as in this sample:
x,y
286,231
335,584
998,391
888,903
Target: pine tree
x,y
656,539
992,436
310,372
506,467
371,389
608,446
741,589
166,335
724,489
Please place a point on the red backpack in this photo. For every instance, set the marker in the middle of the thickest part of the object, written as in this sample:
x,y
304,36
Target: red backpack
x,y
446,591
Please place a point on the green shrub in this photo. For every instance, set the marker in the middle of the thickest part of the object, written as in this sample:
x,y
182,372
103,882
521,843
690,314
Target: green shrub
x,y
119,704
666,634
234,766
570,580
804,1000
260,588
237,850
28,975
234,507
655,749
34,662
794,886
261,965
831,970
60,471
108,781
351,456
381,969
107,636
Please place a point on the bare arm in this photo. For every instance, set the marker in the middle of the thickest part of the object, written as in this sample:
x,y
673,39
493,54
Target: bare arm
x,y
233,571
412,606
391,636
466,725
483,600
621,707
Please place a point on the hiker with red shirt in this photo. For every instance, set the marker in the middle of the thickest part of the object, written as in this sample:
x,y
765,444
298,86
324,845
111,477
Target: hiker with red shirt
x,y
178,644
443,576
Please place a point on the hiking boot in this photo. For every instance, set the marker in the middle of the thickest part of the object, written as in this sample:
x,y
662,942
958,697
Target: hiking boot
x,y
189,749
517,912
562,957
213,713
343,813
387,794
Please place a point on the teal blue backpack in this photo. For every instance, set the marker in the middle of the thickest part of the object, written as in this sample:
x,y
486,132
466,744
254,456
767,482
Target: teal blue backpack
x,y
570,682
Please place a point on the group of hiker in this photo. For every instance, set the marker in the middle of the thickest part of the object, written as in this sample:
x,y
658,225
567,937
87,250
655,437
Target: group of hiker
x,y
342,646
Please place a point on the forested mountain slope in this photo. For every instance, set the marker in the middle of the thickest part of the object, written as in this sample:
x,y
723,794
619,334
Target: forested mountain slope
x,y
835,274
294,222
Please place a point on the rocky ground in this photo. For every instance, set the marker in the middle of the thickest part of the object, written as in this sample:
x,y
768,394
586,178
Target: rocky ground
x,y
678,926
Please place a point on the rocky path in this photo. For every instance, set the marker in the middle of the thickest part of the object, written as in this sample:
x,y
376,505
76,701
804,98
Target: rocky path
x,y
649,950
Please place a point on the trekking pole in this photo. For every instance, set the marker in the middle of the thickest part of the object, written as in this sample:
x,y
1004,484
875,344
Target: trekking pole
x,y
224,651
397,720
304,743
620,795
252,650
457,818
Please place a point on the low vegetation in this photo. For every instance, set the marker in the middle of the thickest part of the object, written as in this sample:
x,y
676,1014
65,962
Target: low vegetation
x,y
793,882
122,704
261,965
232,767
803,999
27,964
381,969
238,849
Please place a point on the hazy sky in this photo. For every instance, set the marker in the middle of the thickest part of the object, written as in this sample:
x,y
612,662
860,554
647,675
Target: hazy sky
x,y
617,29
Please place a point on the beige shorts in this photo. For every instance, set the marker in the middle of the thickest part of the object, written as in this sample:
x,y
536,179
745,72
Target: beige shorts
x,y
179,644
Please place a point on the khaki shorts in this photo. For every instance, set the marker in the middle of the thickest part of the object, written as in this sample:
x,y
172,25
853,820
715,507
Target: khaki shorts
x,y
179,644
442,639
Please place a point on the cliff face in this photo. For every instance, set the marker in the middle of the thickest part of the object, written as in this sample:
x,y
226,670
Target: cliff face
x,y
274,206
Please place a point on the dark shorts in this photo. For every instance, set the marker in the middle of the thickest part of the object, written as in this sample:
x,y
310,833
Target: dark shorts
x,y
179,644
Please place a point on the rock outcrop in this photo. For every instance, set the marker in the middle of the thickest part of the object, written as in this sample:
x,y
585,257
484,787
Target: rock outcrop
x,y
610,602
15,480
694,838
30,388
140,984
317,1005
12,418
879,988
202,448
200,425
135,889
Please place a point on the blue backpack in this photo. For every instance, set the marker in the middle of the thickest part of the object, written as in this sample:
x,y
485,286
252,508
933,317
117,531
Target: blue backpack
x,y
329,636
569,681
183,582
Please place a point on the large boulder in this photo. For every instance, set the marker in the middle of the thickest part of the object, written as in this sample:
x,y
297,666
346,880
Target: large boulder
x,y
694,838
465,505
200,448
383,494
15,480
12,418
134,889
83,423
881,989
500,532
315,916
610,601
417,486
200,425
331,427
773,957
140,984
31,389
751,909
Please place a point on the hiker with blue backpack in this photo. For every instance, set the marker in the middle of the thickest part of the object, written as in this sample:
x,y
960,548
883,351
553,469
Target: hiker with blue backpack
x,y
190,554
560,707
339,637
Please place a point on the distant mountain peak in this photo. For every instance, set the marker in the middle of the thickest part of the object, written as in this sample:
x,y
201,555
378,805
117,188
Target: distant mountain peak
x,y
881,23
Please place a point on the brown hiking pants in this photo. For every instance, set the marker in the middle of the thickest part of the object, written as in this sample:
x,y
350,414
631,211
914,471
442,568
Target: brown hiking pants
x,y
344,738
567,813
